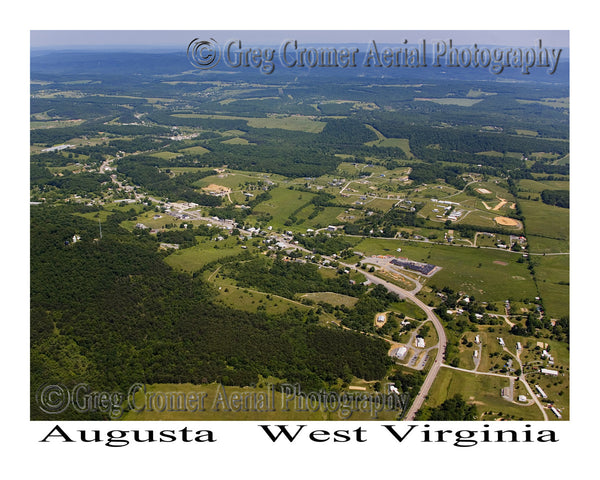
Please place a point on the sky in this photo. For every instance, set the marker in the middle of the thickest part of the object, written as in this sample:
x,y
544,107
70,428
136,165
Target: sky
x,y
178,38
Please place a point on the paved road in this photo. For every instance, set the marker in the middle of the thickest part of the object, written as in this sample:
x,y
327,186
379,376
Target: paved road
x,y
439,358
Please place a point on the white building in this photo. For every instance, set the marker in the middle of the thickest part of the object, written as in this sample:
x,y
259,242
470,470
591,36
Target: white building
x,y
547,371
401,352
542,393
420,342
501,341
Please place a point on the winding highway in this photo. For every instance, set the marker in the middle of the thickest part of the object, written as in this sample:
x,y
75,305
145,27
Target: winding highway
x,y
442,342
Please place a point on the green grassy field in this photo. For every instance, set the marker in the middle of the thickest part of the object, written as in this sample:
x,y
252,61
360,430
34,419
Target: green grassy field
x,y
481,390
409,309
282,204
488,274
197,150
471,270
237,141
530,133
296,122
194,258
537,186
545,220
553,283
54,123
251,300
539,244
334,299
401,143
165,155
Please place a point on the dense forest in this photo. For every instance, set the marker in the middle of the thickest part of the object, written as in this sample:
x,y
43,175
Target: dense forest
x,y
560,198
110,313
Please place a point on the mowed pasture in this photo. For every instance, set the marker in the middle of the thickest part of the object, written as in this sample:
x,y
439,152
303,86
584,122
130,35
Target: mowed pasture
x,y
335,299
193,258
329,216
545,220
250,300
547,245
537,186
295,122
409,309
472,270
282,204
552,272
197,150
401,143
165,155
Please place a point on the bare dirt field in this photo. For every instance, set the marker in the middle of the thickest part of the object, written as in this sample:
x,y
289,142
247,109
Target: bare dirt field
x,y
500,205
508,222
217,188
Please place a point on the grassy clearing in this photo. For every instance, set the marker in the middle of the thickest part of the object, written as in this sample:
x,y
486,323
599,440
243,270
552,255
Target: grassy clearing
x,y
237,141
194,258
147,218
482,390
401,143
251,300
545,220
165,155
409,309
537,186
297,122
283,203
475,271
335,299
553,283
226,180
54,124
530,133
329,216
471,270
197,150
